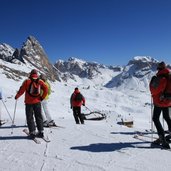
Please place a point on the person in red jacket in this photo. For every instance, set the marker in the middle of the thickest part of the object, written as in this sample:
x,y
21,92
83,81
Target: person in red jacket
x,y
31,87
76,100
159,85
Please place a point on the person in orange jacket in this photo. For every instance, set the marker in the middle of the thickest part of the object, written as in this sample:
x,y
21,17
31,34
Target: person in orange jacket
x,y
159,87
31,87
76,100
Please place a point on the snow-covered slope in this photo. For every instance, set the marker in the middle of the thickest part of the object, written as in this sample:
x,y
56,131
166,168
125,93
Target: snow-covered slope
x,y
98,145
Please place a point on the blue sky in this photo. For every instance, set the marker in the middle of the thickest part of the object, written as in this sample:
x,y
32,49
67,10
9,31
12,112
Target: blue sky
x,y
110,32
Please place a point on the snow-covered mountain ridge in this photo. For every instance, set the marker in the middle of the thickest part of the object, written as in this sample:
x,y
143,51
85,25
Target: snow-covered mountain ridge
x,y
135,75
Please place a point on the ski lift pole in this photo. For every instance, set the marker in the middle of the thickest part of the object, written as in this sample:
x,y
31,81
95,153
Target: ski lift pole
x,y
14,116
7,110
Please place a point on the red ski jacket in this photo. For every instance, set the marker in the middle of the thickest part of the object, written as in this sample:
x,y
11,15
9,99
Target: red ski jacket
x,y
30,99
76,103
157,92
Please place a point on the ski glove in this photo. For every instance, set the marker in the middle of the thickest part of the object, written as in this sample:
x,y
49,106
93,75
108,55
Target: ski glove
x,y
71,107
83,104
41,99
16,97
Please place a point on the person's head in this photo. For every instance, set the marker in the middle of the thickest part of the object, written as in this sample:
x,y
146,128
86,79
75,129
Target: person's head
x,y
43,77
34,74
76,89
161,65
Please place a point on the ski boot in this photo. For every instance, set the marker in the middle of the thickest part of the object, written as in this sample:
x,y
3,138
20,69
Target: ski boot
x,y
40,135
51,123
168,138
164,144
157,142
32,135
161,141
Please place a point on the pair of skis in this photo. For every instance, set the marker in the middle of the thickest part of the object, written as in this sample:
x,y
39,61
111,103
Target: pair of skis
x,y
36,140
143,137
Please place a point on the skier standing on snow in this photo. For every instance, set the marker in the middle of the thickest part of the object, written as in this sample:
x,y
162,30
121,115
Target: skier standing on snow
x,y
47,119
160,87
31,87
76,100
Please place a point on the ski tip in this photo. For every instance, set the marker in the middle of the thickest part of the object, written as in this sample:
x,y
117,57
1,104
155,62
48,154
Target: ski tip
x,y
24,130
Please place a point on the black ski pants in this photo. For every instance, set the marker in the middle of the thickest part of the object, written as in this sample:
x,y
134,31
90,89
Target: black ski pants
x,y
156,118
34,110
77,115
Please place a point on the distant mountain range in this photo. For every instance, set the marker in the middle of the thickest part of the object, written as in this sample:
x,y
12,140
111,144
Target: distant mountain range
x,y
135,75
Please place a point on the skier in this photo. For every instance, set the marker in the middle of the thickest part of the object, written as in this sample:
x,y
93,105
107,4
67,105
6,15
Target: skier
x,y
47,119
159,86
76,100
31,87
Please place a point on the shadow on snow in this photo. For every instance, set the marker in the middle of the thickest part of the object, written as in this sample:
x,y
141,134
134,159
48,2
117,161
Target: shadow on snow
x,y
13,126
13,137
110,147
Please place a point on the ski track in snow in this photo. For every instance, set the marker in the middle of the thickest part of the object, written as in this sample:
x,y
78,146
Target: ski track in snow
x,y
92,146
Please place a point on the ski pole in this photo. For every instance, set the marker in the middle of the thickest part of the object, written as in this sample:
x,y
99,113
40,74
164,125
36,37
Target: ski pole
x,y
7,110
14,112
87,108
14,116
163,123
152,119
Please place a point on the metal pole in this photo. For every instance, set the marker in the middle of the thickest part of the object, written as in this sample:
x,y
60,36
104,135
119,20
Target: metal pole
x,y
6,110
87,108
163,123
14,116
152,128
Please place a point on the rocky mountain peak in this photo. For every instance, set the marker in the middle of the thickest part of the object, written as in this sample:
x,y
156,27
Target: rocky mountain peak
x,y
6,52
136,74
31,54
75,66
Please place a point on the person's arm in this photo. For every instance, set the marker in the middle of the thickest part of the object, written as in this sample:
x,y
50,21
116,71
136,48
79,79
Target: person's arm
x,y
21,90
44,88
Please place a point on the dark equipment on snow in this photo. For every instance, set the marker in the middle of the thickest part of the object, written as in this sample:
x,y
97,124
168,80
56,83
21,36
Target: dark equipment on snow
x,y
95,115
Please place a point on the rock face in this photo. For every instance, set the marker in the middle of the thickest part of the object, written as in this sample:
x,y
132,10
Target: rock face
x,y
31,53
6,52
77,67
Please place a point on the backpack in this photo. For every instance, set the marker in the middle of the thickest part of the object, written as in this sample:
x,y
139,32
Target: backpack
x,y
78,97
155,81
167,92
34,88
